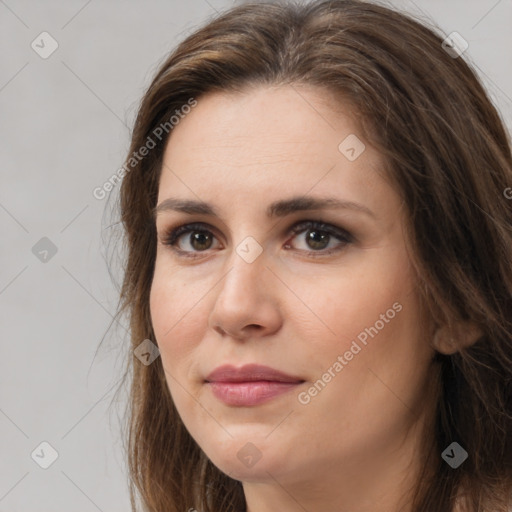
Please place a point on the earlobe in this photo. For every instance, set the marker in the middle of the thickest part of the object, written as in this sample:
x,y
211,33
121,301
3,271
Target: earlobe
x,y
450,339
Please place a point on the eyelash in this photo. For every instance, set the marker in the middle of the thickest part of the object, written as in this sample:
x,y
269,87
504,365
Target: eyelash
x,y
171,236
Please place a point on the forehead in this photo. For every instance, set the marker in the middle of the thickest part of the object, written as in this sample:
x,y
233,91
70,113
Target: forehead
x,y
264,120
267,141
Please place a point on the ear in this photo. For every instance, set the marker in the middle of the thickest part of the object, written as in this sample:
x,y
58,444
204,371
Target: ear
x,y
450,339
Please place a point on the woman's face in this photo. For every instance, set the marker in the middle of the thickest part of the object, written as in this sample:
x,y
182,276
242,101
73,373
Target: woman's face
x,y
297,262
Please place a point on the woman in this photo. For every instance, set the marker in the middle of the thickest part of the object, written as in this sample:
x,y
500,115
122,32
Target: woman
x,y
319,244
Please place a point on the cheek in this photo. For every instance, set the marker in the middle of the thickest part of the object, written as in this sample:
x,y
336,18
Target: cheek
x,y
380,336
177,313
338,305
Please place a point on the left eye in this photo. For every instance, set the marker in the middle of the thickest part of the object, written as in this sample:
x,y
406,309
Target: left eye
x,y
319,235
318,238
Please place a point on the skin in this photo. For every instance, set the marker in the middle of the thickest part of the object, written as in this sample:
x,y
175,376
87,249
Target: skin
x,y
356,444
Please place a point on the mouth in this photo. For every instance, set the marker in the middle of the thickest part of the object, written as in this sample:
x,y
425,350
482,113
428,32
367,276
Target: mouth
x,y
249,385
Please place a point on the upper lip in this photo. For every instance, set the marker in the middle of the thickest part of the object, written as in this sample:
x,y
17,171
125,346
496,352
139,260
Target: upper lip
x,y
249,373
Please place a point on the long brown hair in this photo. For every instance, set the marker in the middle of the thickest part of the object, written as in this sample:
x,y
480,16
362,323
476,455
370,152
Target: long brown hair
x,y
449,156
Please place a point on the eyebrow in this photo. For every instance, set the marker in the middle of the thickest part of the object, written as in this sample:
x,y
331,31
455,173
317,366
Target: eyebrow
x,y
277,209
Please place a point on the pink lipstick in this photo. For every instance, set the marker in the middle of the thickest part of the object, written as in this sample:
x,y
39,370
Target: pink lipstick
x,y
249,385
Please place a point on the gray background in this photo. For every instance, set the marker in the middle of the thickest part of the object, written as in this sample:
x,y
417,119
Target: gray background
x,y
64,131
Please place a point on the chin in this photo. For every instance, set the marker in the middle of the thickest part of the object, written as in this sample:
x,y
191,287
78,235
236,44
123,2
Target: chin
x,y
248,458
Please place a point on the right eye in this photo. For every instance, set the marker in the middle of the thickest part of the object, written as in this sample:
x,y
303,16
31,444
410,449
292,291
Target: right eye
x,y
199,239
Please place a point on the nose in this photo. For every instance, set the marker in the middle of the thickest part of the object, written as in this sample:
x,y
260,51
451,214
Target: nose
x,y
246,304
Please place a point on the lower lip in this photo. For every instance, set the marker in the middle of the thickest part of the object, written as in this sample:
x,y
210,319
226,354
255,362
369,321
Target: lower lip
x,y
250,393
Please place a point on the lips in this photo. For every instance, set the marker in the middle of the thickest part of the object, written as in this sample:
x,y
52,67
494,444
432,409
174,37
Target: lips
x,y
250,373
249,385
